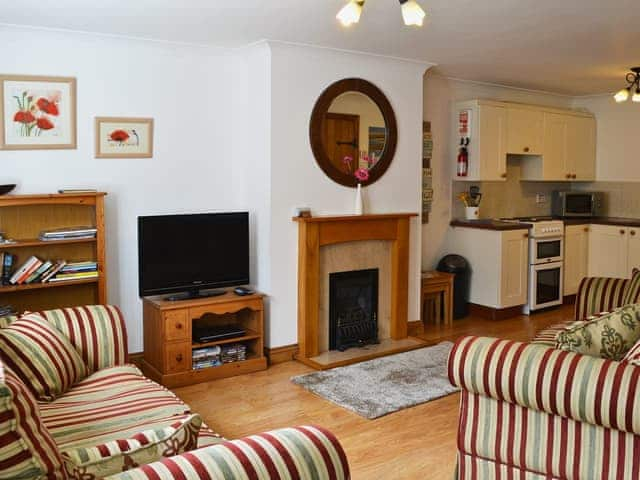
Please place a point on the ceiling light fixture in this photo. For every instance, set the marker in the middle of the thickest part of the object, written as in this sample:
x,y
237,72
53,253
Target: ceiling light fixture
x,y
633,80
350,13
412,13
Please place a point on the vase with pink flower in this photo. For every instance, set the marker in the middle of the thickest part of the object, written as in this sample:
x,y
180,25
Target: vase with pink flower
x,y
362,175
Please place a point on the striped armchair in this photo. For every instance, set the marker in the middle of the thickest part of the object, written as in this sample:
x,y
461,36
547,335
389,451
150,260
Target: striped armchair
x,y
595,295
71,408
533,412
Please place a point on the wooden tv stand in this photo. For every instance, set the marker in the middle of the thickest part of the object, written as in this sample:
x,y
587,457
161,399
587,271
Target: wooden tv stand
x,y
168,339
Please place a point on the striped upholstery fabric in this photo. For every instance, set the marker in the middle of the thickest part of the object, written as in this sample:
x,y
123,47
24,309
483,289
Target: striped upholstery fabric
x,y
474,468
88,463
633,355
548,336
532,441
599,294
632,292
97,332
109,405
26,448
6,321
287,454
41,355
534,410
580,387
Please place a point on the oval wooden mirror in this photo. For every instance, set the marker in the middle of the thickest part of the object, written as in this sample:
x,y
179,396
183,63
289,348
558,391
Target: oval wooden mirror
x,y
353,127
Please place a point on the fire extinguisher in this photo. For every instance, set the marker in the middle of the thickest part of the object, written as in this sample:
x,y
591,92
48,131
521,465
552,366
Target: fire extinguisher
x,y
463,158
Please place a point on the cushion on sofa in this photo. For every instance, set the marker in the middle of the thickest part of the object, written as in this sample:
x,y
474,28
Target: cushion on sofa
x,y
97,332
8,320
88,463
27,450
609,336
633,355
112,404
41,356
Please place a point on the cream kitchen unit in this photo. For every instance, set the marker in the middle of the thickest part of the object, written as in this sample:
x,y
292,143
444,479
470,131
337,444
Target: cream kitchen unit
x,y
600,250
553,144
499,262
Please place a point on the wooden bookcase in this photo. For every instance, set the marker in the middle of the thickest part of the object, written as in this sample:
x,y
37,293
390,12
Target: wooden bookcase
x,y
23,217
168,342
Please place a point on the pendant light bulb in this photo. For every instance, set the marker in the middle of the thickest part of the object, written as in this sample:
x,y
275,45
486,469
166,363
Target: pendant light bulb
x,y
622,95
350,13
636,96
412,13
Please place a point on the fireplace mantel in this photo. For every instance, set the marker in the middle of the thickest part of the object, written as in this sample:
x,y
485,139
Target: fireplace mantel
x,y
316,232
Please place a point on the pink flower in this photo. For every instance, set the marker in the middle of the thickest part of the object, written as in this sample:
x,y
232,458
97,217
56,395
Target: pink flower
x,y
362,174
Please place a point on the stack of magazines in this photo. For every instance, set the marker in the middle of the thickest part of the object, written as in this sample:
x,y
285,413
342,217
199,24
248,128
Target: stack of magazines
x,y
206,357
76,233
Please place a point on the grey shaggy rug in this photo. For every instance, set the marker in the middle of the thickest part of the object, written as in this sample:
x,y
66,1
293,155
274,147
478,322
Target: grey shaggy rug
x,y
384,385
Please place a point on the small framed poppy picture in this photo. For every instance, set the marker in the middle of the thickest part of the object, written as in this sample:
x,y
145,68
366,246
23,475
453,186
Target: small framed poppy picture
x,y
118,137
37,112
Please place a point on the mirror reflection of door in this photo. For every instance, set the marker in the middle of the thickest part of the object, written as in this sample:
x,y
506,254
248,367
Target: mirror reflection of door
x,y
340,136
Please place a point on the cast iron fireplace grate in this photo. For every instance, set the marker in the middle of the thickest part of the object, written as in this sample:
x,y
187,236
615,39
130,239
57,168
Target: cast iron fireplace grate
x,y
353,309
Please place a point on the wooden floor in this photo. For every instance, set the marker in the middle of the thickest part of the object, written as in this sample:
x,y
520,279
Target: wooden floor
x,y
416,443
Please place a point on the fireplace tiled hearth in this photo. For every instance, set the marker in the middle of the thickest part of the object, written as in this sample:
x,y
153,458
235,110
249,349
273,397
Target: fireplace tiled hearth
x,y
328,245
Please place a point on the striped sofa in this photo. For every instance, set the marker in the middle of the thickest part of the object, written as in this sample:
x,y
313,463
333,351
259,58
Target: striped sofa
x,y
532,412
116,420
596,295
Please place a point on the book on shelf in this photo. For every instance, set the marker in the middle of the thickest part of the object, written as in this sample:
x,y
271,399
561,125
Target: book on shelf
x,y
6,266
55,268
25,270
73,276
75,233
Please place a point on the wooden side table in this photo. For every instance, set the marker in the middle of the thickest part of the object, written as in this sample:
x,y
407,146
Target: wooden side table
x,y
436,285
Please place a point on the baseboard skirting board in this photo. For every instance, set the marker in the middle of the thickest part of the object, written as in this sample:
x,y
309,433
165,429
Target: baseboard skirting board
x,y
415,327
282,354
569,299
490,313
136,359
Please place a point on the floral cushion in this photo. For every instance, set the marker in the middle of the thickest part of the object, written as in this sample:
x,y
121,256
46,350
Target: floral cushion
x,y
148,446
609,336
41,356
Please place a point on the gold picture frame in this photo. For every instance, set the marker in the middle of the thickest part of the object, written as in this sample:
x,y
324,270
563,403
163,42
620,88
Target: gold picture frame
x,y
37,112
123,137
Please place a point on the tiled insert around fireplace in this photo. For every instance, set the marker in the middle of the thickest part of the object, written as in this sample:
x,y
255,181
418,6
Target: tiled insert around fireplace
x,y
353,309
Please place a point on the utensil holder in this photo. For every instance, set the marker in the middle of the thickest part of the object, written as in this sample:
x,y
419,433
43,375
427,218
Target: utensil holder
x,y
472,213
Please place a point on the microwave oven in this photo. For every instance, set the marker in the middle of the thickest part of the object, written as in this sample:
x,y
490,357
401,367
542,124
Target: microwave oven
x,y
576,204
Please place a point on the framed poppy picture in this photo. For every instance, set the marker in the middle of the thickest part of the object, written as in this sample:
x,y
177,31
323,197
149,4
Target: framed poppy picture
x,y
37,112
118,137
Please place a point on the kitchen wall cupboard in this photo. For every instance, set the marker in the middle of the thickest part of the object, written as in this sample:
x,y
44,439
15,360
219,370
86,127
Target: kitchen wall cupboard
x,y
552,144
576,257
525,131
496,284
488,140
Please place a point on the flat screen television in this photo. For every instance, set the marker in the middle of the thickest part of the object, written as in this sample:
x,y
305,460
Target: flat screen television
x,y
192,253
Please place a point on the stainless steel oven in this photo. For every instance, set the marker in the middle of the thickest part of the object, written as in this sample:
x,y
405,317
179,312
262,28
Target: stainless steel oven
x,y
576,204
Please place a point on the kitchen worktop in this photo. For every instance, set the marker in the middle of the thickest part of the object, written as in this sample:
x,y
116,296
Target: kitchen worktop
x,y
491,224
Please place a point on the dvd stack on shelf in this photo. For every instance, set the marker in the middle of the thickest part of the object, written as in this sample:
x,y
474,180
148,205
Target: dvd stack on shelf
x,y
235,352
6,310
206,357
74,233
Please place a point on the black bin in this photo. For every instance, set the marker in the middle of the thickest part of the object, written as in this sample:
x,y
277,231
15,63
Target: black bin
x,y
458,265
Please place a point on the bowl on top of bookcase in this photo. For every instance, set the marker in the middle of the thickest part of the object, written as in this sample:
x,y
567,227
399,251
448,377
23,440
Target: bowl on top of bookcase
x,y
4,189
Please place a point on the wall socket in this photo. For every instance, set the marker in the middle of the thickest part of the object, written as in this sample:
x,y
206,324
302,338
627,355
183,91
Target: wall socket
x,y
541,198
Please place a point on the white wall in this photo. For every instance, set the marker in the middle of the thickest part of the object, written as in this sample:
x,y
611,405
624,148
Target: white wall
x,y
439,95
185,88
298,76
617,138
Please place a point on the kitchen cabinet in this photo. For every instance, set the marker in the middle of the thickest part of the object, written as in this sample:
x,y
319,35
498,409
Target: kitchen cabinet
x,y
525,131
569,152
488,140
609,251
552,144
499,263
576,257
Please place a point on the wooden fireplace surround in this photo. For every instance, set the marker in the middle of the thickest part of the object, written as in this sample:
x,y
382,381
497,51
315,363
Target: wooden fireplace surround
x,y
316,232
